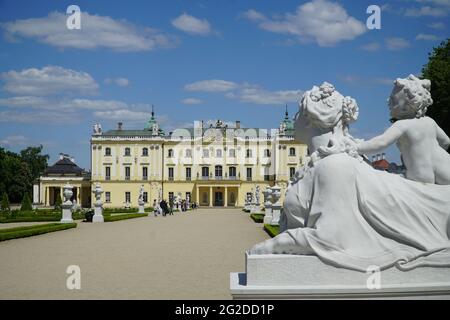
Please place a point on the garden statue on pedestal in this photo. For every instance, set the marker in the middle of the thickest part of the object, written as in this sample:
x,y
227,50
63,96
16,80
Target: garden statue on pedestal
x,y
276,205
268,203
255,203
98,204
141,200
353,216
67,204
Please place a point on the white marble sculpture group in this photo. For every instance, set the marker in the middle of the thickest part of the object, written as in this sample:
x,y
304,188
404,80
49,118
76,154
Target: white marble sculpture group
x,y
352,216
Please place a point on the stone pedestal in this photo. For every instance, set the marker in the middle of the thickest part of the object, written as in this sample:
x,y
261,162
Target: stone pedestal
x,y
256,208
141,207
66,213
276,212
276,276
268,217
98,213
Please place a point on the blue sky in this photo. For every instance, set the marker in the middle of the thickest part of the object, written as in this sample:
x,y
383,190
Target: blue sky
x,y
233,60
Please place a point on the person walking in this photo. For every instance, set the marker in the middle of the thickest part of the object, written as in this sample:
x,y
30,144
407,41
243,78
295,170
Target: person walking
x,y
155,208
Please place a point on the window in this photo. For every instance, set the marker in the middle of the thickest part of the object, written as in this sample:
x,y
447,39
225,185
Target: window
x,y
218,172
205,153
170,173
145,197
188,153
291,172
107,151
248,153
232,172
267,153
127,173
170,153
249,174
292,152
145,152
219,153
232,153
107,173
188,174
127,152
144,173
205,172
127,197
171,196
107,196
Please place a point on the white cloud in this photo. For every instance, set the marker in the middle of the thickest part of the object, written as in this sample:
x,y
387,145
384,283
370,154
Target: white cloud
x,y
247,93
15,140
371,47
43,103
322,21
370,81
121,82
49,80
39,117
427,37
396,43
258,95
191,101
426,11
192,25
213,85
437,25
96,32
122,114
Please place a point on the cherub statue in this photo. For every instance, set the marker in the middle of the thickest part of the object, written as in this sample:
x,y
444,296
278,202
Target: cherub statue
x,y
421,141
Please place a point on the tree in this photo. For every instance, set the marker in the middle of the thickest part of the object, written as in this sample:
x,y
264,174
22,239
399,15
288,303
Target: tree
x,y
35,160
438,71
58,201
5,202
26,203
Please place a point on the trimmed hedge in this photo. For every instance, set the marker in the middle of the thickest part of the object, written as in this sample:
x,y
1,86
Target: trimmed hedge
x,y
272,230
257,217
22,232
120,210
34,216
125,217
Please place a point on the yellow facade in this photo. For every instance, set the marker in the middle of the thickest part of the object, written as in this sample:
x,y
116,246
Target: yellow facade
x,y
212,164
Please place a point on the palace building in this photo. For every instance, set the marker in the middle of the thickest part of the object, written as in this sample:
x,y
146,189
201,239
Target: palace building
x,y
213,163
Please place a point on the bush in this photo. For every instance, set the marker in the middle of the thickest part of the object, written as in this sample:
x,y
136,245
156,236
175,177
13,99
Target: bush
x,y
22,232
37,216
257,217
124,217
273,231
5,203
26,203
120,210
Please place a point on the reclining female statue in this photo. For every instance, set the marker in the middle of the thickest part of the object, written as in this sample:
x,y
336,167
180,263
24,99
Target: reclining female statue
x,y
350,215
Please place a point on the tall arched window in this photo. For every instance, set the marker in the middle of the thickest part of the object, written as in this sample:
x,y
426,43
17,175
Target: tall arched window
x,y
107,151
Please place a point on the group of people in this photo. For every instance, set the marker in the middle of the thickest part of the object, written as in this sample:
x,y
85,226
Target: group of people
x,y
163,208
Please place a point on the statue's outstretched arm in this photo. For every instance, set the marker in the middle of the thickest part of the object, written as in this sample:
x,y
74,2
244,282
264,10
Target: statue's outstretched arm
x,y
381,142
443,139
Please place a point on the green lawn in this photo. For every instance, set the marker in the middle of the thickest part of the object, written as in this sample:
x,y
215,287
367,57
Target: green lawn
x,y
118,217
257,217
28,231
272,230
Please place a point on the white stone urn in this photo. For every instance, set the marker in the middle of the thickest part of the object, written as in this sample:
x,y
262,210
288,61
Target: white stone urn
x,y
67,204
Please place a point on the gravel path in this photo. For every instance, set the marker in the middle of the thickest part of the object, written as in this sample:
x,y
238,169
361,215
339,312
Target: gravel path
x,y
185,256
